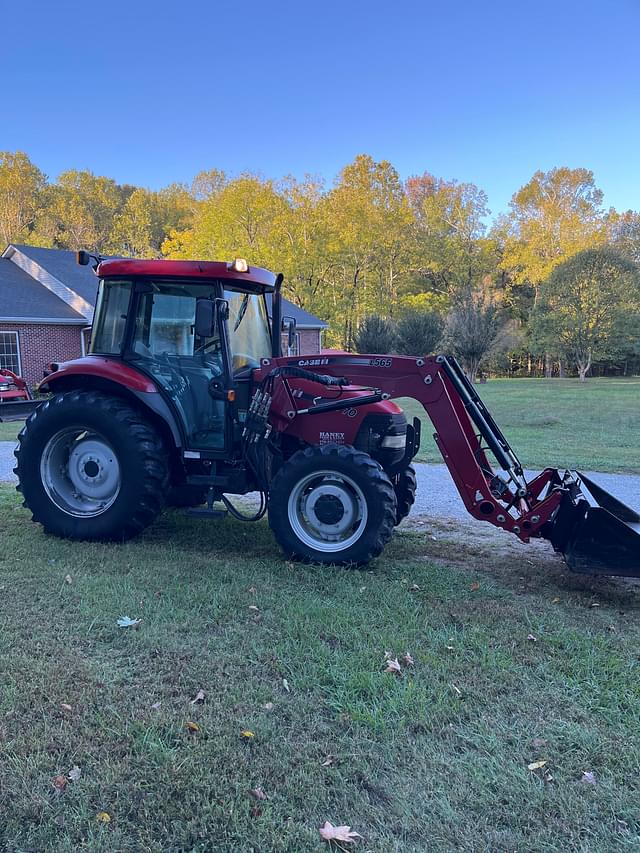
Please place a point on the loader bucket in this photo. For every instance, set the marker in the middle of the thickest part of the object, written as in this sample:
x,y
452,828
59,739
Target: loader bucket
x,y
597,533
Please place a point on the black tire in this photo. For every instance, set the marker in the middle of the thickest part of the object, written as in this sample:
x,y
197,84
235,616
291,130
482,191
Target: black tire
x,y
371,531
185,496
405,485
140,471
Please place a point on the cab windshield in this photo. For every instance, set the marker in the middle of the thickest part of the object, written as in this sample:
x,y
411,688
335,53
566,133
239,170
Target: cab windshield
x,y
249,336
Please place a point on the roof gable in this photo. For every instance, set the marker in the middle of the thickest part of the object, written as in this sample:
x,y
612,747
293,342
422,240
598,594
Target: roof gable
x,y
23,298
62,265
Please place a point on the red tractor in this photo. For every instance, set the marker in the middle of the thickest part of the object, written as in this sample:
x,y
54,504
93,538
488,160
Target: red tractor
x,y
12,387
186,399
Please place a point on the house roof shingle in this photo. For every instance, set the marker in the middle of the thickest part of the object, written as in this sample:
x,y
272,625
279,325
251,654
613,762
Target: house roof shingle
x,y
61,263
22,297
303,319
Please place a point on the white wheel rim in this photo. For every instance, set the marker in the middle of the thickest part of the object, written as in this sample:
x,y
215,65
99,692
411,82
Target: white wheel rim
x,y
327,511
80,472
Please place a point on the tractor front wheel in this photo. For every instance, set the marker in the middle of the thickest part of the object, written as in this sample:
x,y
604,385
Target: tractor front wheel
x,y
332,504
91,467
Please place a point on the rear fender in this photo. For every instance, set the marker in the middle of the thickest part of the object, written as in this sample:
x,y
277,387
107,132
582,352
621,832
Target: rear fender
x,y
120,380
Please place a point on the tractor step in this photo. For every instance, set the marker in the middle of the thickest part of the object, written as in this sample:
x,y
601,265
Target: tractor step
x,y
205,512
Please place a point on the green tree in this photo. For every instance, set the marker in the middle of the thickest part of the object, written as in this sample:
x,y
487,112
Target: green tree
x,y
369,222
21,196
375,334
418,333
589,309
239,220
476,328
136,230
302,233
554,216
81,210
623,233
451,245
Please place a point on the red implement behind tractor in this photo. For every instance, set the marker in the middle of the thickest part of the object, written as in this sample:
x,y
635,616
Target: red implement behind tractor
x,y
185,399
12,387
15,398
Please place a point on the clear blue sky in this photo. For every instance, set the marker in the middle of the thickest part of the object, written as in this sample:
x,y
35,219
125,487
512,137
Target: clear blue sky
x,y
152,92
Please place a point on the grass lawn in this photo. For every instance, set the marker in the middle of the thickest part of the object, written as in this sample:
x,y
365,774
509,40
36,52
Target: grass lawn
x,y
10,429
434,759
560,422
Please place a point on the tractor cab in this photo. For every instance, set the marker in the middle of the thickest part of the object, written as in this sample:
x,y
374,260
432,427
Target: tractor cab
x,y
196,329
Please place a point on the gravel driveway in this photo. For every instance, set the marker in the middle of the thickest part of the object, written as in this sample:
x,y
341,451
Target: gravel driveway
x,y
436,497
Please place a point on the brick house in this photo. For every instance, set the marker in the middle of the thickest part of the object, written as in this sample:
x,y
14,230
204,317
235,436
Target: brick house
x,y
46,311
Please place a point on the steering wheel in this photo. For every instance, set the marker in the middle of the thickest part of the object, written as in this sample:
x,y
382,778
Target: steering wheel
x,y
206,346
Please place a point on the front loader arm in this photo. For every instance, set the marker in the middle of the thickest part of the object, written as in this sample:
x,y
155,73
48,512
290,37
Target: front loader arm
x,y
464,429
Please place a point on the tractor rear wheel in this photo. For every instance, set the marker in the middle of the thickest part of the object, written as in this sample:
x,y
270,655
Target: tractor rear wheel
x,y
332,504
91,467
405,485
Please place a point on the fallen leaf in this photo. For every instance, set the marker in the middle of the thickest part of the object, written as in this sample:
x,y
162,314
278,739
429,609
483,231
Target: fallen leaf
x,y
338,833
75,773
362,589
285,684
103,817
408,659
475,586
258,793
538,742
253,608
393,665
156,705
414,588
59,783
536,765
547,776
128,622
329,760
532,638
247,734
65,706
450,648
199,697
268,706
191,726
588,778
68,579
555,600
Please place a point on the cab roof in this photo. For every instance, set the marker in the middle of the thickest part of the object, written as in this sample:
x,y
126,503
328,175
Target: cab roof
x,y
255,277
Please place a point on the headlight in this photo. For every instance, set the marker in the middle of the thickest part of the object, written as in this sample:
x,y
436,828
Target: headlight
x,y
394,442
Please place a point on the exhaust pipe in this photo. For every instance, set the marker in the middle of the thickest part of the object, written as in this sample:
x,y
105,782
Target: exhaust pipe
x,y
597,533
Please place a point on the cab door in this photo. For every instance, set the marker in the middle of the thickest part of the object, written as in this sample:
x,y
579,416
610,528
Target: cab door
x,y
165,345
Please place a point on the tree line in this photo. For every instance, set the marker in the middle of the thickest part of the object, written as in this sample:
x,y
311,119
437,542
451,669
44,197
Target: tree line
x,y
550,286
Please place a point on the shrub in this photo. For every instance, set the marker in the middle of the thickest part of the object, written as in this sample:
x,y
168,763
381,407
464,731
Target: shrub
x,y
418,333
375,334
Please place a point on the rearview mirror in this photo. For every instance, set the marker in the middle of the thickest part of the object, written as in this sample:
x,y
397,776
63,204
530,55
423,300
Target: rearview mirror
x,y
289,324
205,318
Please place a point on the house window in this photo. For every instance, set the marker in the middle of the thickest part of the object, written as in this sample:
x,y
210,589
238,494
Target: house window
x,y
10,352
